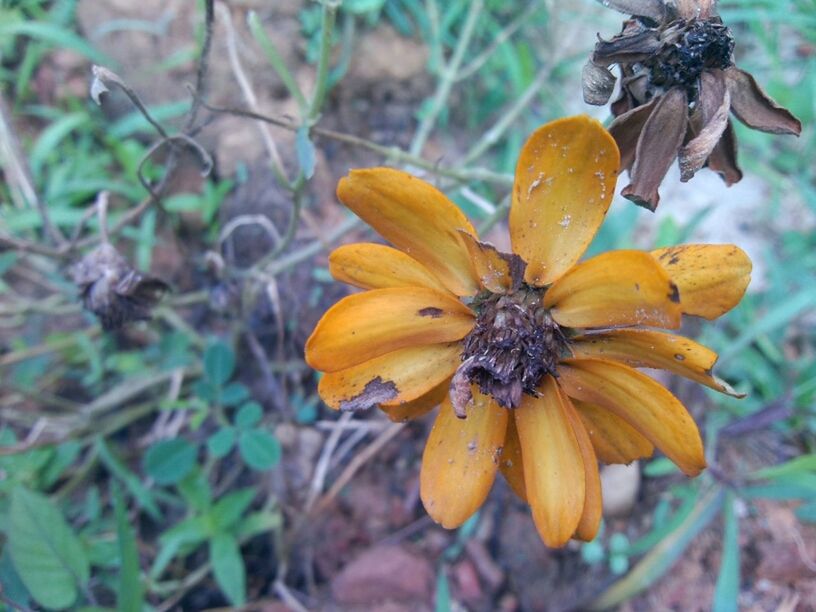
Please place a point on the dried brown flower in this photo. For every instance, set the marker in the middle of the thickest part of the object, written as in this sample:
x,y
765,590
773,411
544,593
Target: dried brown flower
x,y
679,85
113,290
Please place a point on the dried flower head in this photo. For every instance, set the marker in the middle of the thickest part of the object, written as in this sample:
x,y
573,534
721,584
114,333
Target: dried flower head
x,y
112,290
532,355
679,85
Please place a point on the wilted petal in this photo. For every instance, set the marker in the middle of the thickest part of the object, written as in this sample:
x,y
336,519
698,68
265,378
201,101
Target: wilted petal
x,y
642,402
657,147
598,83
615,441
614,289
366,325
565,179
376,266
714,104
755,109
511,463
643,348
626,129
497,272
723,159
653,9
416,218
460,460
394,378
593,504
627,48
554,475
712,278
421,406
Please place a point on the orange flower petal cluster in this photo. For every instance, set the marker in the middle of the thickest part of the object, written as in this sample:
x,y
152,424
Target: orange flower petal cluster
x,y
399,344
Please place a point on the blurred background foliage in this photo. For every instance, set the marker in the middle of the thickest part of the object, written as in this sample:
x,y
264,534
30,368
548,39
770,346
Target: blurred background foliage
x,y
178,463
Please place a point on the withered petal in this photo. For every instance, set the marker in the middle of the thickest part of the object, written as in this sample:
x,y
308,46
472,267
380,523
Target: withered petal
x,y
598,83
714,104
723,158
653,9
627,48
657,148
626,130
755,108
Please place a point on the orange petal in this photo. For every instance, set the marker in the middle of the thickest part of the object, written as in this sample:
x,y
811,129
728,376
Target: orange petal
x,y
642,348
376,266
614,440
394,378
565,180
408,411
460,460
712,278
615,288
511,462
416,218
593,504
497,272
366,325
640,401
554,474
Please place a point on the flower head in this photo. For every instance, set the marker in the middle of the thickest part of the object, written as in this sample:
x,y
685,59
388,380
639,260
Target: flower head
x,y
678,85
532,355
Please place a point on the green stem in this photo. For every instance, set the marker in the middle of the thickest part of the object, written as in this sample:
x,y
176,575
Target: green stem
x,y
326,32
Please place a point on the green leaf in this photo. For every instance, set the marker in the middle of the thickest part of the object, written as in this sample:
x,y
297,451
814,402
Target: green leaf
x,y
806,463
130,480
363,6
169,461
592,552
233,394
196,490
442,600
305,152
47,555
249,415
219,363
259,449
229,509
56,36
618,564
228,568
726,592
259,522
221,442
129,592
663,556
51,136
13,587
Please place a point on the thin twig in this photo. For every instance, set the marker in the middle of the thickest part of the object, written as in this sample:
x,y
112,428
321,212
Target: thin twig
x,y
322,467
203,65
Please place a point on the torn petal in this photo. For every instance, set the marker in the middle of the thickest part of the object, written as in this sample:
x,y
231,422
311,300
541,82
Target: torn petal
x,y
397,377
714,105
755,108
598,83
657,147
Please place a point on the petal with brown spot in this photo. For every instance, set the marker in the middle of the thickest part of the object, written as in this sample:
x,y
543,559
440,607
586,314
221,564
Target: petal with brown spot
x,y
640,401
712,278
407,373
615,441
565,179
366,325
497,272
408,411
376,266
661,138
613,289
641,348
554,474
460,460
755,108
416,218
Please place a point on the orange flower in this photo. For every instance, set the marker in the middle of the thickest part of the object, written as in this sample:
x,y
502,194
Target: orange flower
x,y
532,355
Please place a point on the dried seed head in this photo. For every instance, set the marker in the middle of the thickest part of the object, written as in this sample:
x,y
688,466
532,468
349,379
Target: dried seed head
x,y
112,290
514,343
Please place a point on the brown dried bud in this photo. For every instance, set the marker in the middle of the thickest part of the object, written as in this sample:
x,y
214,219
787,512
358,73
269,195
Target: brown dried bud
x,y
113,291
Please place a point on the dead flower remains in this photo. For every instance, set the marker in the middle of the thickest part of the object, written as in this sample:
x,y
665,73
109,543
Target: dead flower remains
x,y
532,355
678,86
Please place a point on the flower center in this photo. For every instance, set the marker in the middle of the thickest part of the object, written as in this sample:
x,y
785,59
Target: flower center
x,y
514,343
692,46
